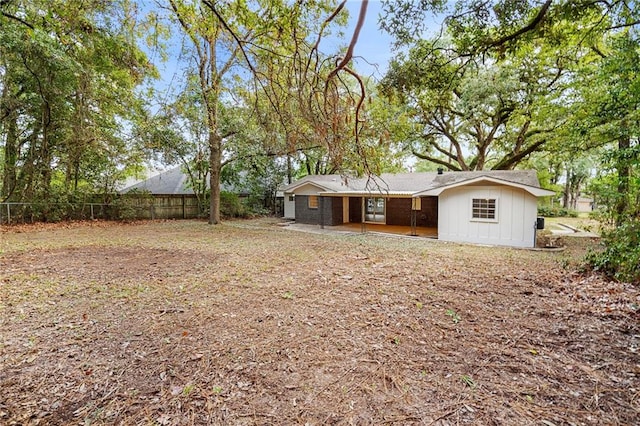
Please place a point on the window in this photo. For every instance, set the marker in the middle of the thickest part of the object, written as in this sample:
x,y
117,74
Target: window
x,y
313,201
484,208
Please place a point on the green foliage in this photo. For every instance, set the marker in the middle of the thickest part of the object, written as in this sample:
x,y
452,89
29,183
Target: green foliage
x,y
502,25
259,177
475,115
131,206
231,206
620,258
454,316
69,71
468,381
556,211
280,61
287,295
609,118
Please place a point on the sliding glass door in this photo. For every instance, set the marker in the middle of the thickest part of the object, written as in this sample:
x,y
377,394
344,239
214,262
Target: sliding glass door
x,y
374,210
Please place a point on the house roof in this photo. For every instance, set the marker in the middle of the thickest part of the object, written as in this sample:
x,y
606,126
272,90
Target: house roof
x,y
532,189
171,182
419,184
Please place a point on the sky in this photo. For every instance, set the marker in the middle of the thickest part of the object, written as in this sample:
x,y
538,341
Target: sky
x,y
371,56
374,46
373,51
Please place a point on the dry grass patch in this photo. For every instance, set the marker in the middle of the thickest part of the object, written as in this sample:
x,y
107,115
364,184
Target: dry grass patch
x,y
175,323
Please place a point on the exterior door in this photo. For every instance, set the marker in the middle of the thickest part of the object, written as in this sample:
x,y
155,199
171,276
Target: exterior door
x,y
374,210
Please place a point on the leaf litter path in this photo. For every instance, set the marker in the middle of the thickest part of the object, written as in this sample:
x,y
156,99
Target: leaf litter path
x,y
180,323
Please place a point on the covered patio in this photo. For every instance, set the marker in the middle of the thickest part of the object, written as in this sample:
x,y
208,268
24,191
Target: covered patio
x,y
418,231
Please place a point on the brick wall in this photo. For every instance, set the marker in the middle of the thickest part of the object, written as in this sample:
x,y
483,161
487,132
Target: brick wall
x,y
333,211
399,211
329,211
428,215
303,213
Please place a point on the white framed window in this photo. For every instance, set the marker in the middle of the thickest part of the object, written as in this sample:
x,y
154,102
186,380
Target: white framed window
x,y
484,209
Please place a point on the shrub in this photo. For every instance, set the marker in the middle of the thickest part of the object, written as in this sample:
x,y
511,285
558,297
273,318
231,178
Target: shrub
x,y
548,211
596,214
620,258
132,205
231,206
123,209
255,205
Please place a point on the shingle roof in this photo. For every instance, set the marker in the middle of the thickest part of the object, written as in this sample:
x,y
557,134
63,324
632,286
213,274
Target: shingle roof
x,y
411,182
171,182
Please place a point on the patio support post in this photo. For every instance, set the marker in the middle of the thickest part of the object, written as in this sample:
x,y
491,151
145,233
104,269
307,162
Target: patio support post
x,y
321,206
413,222
363,225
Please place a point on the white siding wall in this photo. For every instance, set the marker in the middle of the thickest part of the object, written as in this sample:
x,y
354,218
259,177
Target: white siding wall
x,y
289,206
516,215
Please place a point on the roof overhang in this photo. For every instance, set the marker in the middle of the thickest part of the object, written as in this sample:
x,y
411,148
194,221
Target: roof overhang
x,y
533,190
382,194
301,184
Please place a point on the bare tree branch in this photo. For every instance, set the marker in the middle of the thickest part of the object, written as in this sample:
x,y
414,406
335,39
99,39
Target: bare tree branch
x,y
529,27
15,18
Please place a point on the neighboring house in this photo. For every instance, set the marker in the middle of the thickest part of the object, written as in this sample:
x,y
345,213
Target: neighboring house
x,y
584,204
171,182
171,197
487,207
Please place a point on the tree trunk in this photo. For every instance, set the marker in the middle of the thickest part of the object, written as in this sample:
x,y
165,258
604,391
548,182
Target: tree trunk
x,y
45,163
565,193
10,156
215,156
624,174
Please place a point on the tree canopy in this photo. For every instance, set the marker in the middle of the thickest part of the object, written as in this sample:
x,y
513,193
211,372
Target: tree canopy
x,y
68,74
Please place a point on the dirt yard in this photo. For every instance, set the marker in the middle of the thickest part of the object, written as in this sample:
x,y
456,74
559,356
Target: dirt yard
x,y
249,323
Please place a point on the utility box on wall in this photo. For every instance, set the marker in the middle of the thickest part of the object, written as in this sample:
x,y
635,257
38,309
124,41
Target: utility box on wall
x,y
540,223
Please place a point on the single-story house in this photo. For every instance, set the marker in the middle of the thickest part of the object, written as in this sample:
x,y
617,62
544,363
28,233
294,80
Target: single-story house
x,y
585,204
497,207
163,196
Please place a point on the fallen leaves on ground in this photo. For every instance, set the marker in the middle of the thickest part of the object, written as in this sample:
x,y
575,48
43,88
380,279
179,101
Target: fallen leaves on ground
x,y
175,323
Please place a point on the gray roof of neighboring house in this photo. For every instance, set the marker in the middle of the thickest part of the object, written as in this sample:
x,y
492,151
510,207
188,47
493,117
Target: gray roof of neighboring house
x,y
171,182
410,183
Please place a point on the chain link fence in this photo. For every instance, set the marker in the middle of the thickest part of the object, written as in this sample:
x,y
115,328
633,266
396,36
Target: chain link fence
x,y
123,208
